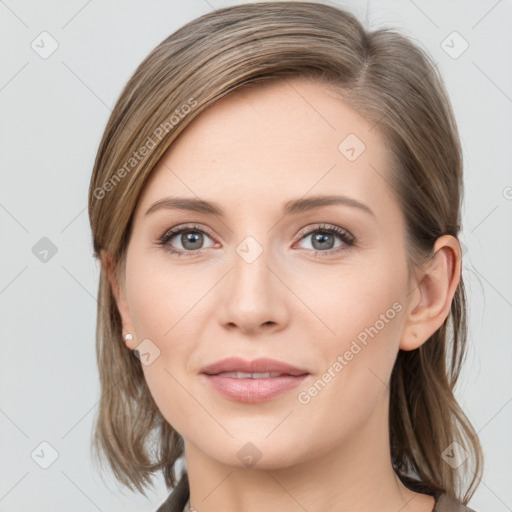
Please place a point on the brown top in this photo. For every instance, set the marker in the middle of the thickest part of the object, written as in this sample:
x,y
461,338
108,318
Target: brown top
x,y
178,500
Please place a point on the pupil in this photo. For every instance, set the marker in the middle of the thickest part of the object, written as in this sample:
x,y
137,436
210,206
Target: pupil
x,y
321,237
191,238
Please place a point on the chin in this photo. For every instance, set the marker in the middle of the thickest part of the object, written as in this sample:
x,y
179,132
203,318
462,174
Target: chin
x,y
255,453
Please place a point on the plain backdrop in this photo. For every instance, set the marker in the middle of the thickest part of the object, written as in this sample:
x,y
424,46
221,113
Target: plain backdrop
x,y
53,112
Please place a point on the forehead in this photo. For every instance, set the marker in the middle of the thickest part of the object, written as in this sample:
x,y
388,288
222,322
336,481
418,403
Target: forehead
x,y
276,140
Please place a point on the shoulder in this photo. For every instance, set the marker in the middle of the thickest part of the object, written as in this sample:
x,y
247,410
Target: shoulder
x,y
178,497
447,503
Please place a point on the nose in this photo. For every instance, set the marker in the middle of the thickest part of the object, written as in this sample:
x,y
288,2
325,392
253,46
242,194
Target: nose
x,y
254,298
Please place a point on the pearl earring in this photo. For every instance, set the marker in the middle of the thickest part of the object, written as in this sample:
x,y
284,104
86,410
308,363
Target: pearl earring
x,y
127,337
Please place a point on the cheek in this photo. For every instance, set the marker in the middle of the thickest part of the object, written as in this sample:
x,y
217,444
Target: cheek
x,y
360,318
162,310
158,296
356,359
359,300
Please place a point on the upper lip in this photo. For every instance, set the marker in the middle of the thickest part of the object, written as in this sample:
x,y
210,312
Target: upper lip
x,y
262,365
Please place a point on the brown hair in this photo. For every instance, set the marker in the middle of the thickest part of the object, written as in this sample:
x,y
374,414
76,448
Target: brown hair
x,y
386,79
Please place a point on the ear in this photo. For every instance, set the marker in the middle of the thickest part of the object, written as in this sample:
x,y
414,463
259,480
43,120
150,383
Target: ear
x,y
118,291
432,297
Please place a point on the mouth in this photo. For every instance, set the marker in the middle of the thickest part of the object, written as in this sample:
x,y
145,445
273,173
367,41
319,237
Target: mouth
x,y
246,375
237,365
252,381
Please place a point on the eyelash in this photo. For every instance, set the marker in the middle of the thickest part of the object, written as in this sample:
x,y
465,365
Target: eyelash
x,y
344,235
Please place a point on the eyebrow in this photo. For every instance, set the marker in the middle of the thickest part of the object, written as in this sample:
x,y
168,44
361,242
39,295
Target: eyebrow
x,y
291,207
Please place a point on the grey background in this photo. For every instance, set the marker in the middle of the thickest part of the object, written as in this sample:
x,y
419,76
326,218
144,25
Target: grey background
x,y
53,112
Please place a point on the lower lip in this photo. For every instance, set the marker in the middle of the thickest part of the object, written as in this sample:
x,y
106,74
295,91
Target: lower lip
x,y
253,391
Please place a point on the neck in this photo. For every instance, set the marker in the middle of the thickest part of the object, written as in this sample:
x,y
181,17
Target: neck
x,y
354,476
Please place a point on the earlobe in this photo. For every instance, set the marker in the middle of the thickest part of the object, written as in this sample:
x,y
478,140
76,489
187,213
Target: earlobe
x,y
431,300
119,296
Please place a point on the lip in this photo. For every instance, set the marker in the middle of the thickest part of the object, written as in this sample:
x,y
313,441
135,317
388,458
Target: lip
x,y
251,390
261,365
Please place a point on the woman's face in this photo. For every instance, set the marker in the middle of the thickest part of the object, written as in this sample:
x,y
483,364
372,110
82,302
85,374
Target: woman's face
x,y
321,288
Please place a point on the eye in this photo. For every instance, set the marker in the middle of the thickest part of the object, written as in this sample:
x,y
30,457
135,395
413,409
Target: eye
x,y
323,239
189,240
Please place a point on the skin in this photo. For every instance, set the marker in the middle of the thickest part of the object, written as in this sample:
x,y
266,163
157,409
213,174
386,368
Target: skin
x,y
251,152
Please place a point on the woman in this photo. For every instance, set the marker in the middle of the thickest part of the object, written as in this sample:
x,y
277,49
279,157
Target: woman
x,y
275,204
